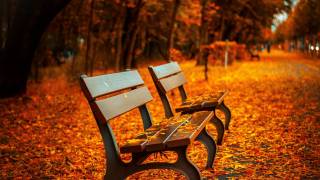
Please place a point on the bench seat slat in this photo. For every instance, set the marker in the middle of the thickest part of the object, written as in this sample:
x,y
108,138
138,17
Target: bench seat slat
x,y
173,82
158,141
173,132
105,84
119,104
138,143
187,133
153,138
203,102
134,145
166,70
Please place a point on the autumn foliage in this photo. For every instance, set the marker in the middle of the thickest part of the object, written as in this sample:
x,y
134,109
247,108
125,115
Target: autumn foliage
x,y
51,133
48,130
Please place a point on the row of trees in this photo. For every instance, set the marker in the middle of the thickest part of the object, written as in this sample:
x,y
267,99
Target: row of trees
x,y
302,23
117,33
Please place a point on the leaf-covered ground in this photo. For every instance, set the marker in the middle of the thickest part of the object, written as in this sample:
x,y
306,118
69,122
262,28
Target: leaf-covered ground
x,y
274,133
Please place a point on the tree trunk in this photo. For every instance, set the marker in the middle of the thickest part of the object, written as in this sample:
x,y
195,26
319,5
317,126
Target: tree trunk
x,y
87,64
131,48
130,29
29,23
119,35
171,28
4,8
222,28
203,34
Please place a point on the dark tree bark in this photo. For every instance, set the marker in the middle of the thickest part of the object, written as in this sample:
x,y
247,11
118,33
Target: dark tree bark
x,y
130,29
222,28
3,21
131,48
171,28
29,22
88,64
203,34
119,34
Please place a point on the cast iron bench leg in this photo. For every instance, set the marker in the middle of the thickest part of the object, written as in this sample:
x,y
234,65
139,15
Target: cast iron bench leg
x,y
220,128
114,174
227,114
188,168
211,146
183,165
115,170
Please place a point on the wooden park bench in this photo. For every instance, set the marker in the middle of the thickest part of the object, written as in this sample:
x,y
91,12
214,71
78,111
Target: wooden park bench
x,y
169,76
112,95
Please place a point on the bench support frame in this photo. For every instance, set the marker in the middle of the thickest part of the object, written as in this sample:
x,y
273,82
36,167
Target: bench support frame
x,y
227,114
117,169
215,121
211,146
103,111
220,128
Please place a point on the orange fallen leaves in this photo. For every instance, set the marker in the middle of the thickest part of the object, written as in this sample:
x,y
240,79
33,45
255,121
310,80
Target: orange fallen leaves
x,y
274,133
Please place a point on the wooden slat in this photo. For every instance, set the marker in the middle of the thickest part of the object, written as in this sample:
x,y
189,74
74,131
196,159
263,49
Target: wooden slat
x,y
158,141
187,133
172,82
119,104
139,143
166,70
203,102
104,84
135,145
223,95
177,131
154,138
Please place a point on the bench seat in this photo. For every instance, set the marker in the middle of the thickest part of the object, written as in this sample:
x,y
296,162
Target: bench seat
x,y
169,133
168,77
203,102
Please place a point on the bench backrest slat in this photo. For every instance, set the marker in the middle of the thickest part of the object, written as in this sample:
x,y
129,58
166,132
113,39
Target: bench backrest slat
x,y
105,84
172,82
167,77
122,103
130,95
166,70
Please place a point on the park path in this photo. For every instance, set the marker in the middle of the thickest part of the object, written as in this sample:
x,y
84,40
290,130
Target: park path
x,y
276,118
274,133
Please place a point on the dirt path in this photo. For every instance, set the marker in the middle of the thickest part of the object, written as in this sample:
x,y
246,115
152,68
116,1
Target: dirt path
x,y
276,108
274,131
